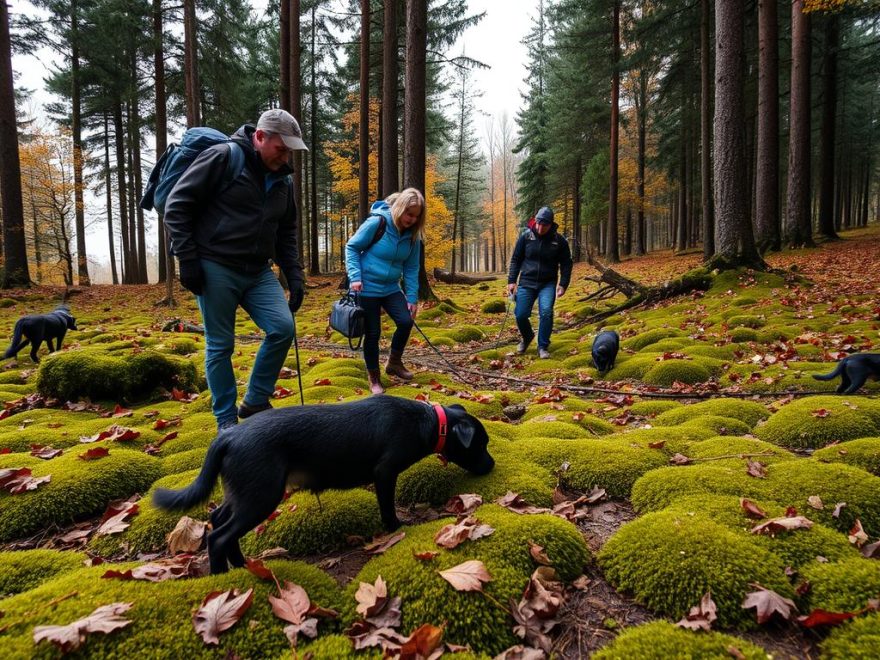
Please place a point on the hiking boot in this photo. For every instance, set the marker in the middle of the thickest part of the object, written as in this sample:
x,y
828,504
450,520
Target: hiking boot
x,y
523,345
246,410
543,353
394,366
375,381
228,424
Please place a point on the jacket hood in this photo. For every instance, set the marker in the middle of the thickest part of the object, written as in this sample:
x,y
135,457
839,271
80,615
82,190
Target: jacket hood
x,y
531,225
380,207
244,137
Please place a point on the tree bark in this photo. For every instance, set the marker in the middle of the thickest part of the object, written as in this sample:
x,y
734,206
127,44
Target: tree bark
x,y
284,54
798,226
166,261
390,176
296,111
364,114
191,64
767,175
15,260
705,134
108,185
121,191
414,114
829,122
460,278
735,243
612,253
314,263
642,121
82,262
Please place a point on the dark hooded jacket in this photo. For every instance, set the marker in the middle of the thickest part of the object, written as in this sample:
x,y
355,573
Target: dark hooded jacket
x,y
538,260
241,224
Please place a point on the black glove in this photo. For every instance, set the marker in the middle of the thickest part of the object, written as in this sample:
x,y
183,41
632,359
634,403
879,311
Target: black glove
x,y
191,277
295,301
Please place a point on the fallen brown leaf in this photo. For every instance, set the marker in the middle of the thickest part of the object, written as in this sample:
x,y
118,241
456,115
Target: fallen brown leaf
x,y
220,611
104,619
467,576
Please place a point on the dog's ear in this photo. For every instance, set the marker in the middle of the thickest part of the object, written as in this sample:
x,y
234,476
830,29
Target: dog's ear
x,y
465,432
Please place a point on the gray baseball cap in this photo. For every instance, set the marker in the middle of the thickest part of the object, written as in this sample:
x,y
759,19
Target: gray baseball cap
x,y
282,122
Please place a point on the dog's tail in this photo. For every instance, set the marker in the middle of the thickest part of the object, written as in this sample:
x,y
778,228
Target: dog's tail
x,y
834,374
199,490
16,338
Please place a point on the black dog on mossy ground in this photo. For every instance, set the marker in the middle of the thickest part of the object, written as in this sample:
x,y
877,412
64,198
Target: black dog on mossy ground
x,y
854,371
604,351
37,328
319,447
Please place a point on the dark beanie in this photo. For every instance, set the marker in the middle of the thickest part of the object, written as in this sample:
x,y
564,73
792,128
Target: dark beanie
x,y
544,215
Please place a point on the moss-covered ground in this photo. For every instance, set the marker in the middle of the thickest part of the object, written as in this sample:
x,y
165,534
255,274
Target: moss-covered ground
x,y
710,401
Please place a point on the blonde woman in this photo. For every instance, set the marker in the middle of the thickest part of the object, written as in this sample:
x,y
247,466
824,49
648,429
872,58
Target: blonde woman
x,y
375,269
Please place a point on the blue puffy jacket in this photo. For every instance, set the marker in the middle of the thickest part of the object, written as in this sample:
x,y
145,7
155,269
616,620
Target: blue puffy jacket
x,y
381,267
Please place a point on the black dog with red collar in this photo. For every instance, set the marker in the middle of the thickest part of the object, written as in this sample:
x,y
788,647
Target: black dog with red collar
x,y
318,447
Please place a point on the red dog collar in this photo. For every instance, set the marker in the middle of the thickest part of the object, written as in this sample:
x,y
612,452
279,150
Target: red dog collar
x,y
442,430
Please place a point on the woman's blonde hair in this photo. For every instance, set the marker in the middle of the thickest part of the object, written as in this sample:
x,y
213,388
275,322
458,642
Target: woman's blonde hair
x,y
400,202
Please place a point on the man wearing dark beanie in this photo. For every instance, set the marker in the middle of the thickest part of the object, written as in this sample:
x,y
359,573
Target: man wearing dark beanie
x,y
541,256
224,232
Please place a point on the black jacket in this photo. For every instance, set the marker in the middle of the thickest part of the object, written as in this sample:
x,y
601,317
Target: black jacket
x,y
241,224
538,259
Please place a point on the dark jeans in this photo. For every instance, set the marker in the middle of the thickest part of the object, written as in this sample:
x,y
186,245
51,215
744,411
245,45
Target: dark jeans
x,y
545,294
395,305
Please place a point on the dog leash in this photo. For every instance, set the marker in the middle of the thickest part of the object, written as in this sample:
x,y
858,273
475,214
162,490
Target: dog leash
x,y
442,357
299,377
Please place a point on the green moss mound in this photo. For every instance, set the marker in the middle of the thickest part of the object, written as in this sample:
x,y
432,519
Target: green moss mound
x,y
184,461
719,425
799,424
732,445
653,407
306,527
746,321
466,333
77,489
649,337
148,530
494,307
668,561
634,367
667,372
21,570
470,616
332,647
748,412
90,373
661,640
863,453
659,488
844,586
742,334
161,613
855,640
796,548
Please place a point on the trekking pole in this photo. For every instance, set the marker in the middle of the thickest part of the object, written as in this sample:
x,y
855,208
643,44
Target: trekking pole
x,y
299,377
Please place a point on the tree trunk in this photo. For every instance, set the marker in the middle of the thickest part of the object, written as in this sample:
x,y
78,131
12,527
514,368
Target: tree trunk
x,y
642,120
121,191
82,262
390,176
682,220
284,54
108,185
314,263
576,213
612,253
459,278
705,135
166,261
15,260
134,130
364,114
414,114
191,64
296,111
767,175
829,121
735,243
798,226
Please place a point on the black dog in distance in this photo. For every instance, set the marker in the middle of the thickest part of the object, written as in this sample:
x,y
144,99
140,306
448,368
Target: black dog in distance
x,y
37,328
605,347
319,447
854,370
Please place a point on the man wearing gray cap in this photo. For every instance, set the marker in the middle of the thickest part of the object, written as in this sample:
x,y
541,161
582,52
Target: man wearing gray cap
x,y
224,229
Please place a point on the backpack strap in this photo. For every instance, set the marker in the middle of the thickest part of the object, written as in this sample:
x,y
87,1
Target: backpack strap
x,y
234,165
380,231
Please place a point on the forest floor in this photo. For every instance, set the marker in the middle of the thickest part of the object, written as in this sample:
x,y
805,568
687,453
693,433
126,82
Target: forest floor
x,y
657,475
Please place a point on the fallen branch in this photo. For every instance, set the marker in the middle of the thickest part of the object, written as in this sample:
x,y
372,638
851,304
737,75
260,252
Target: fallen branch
x,y
459,278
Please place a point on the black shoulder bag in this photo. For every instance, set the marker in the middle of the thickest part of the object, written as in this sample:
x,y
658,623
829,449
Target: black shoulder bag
x,y
347,318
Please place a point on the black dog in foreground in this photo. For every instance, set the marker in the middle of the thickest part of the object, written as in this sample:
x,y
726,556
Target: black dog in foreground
x,y
37,328
854,371
605,347
318,447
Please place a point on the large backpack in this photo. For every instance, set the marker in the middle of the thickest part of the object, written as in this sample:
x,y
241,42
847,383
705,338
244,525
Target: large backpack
x,y
177,157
